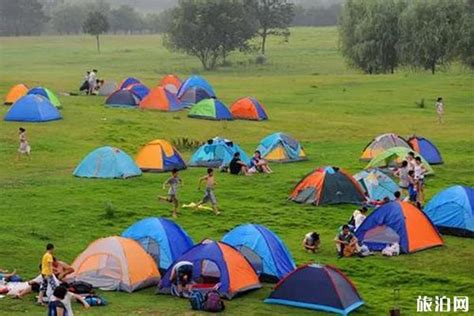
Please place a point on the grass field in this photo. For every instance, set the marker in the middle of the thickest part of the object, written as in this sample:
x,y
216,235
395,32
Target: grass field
x,y
309,92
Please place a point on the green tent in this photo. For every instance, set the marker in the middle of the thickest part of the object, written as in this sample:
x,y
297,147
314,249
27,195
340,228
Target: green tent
x,y
210,109
395,154
48,94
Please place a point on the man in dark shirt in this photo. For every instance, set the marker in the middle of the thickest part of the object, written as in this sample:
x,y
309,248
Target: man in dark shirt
x,y
345,240
237,166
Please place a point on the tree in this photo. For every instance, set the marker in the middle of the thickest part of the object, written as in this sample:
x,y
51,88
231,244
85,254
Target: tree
x,y
95,24
273,16
68,19
21,17
209,29
369,34
125,19
466,38
430,31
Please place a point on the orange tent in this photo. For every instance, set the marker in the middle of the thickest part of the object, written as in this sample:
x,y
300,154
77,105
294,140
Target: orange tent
x,y
248,108
116,263
161,99
171,83
159,156
15,93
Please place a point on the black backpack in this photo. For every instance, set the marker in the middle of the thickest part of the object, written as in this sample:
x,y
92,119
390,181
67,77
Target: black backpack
x,y
80,287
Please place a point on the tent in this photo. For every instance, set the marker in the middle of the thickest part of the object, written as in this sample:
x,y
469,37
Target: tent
x,y
107,162
122,98
216,153
171,83
318,287
139,90
328,185
263,249
400,222
210,109
195,89
108,87
452,211
382,143
162,239
248,108
115,264
48,94
127,82
32,108
216,262
280,147
376,184
161,99
427,149
393,156
15,92
159,156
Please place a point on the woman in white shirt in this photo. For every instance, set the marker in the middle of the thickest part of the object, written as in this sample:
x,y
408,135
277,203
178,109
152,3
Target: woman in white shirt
x,y
440,110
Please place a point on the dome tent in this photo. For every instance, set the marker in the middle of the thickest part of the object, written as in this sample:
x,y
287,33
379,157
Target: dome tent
x,y
281,147
32,108
210,109
15,92
48,94
376,184
382,143
127,82
171,83
195,89
248,108
395,155
159,156
427,149
162,100
122,98
217,153
139,90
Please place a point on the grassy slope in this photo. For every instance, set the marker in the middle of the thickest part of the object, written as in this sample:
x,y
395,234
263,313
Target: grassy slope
x,y
309,93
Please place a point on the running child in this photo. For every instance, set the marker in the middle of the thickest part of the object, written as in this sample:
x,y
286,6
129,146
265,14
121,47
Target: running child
x,y
209,195
173,183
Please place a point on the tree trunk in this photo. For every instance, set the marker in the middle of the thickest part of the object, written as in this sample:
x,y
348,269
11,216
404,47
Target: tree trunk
x,y
98,42
264,41
433,68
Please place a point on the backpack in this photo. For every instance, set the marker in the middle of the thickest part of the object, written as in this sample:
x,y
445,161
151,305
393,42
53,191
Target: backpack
x,y
94,300
197,301
214,303
80,287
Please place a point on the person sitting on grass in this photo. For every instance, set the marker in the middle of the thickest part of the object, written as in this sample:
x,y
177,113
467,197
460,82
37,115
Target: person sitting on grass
x,y
259,164
61,269
173,183
237,166
346,243
60,303
311,242
181,277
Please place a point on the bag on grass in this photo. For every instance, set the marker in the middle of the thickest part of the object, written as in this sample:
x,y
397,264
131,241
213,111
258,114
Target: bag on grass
x,y
80,287
95,300
197,301
213,302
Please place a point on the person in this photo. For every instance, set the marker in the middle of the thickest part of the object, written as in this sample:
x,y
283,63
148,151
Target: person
x,y
24,148
412,193
259,164
419,174
47,273
359,217
346,242
98,84
402,174
440,110
85,84
173,182
60,303
61,269
32,285
92,81
181,276
237,166
5,275
209,195
397,196
410,158
311,242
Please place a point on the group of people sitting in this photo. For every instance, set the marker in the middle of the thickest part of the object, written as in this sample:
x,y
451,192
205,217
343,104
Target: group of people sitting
x,y
257,165
91,84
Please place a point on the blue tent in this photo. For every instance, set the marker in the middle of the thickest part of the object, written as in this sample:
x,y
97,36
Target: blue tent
x,y
122,98
377,184
127,82
195,89
452,210
163,239
264,249
318,287
426,149
107,162
216,153
32,108
281,147
139,90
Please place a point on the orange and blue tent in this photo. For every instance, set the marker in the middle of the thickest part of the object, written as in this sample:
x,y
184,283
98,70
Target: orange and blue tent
x,y
398,222
328,185
161,99
139,90
159,156
195,89
216,263
381,143
127,82
171,83
248,108
281,147
427,149
15,93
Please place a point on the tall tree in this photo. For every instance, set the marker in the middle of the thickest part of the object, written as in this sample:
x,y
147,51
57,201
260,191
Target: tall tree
x,y
125,19
209,29
466,38
21,17
430,31
274,18
68,19
95,24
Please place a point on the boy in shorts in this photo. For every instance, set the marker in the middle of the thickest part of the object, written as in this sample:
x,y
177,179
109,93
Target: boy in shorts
x,y
173,183
209,195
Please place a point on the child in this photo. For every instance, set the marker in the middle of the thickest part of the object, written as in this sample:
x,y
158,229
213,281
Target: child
x,y
5,275
47,272
420,178
173,182
402,174
440,110
412,194
25,148
209,195
311,242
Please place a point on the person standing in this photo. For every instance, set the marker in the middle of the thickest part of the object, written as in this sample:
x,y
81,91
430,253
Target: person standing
x,y
173,182
209,195
440,110
47,273
92,80
24,148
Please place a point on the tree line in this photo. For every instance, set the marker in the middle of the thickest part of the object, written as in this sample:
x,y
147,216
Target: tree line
x,y
378,36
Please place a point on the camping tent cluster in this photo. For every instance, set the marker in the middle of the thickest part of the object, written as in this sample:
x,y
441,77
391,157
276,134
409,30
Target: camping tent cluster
x,y
147,252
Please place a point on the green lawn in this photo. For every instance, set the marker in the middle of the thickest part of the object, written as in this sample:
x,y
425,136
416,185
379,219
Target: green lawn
x,y
309,92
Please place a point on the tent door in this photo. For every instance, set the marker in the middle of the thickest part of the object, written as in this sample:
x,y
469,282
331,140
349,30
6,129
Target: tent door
x,y
382,234
152,248
253,258
210,272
